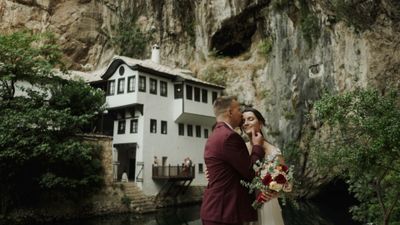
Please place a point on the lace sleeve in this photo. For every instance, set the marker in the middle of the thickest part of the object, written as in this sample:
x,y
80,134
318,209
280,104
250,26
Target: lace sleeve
x,y
275,151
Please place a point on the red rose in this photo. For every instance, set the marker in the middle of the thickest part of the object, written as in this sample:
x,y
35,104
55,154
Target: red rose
x,y
280,179
267,179
285,168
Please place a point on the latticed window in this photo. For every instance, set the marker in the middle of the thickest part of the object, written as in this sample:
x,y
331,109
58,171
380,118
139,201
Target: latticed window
x,y
111,87
131,83
153,126
190,130
163,88
134,126
121,126
204,95
153,86
121,85
142,83
181,129
164,127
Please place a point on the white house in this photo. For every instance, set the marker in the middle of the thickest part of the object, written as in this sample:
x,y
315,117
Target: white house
x,y
154,110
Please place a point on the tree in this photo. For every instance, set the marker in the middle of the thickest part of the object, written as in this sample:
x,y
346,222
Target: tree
x,y
21,60
362,144
41,151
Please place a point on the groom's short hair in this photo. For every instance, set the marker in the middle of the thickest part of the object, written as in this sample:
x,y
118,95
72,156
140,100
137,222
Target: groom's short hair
x,y
222,104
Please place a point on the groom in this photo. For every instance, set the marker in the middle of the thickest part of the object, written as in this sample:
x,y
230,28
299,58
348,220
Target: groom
x,y
225,200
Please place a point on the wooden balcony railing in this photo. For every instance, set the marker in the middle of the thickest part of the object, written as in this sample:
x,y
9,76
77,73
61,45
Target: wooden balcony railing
x,y
173,172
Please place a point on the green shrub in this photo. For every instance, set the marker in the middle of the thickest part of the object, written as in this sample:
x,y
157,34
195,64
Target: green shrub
x,y
265,47
310,28
280,5
215,74
125,200
129,39
289,115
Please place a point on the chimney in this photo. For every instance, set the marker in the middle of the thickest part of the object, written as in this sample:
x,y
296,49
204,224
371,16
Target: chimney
x,y
155,53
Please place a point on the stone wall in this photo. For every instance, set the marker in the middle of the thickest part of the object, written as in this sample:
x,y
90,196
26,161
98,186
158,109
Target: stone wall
x,y
105,143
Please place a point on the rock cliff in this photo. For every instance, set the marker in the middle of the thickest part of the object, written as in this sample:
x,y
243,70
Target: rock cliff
x,y
277,55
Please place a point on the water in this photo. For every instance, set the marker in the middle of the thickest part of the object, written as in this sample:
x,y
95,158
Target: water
x,y
302,214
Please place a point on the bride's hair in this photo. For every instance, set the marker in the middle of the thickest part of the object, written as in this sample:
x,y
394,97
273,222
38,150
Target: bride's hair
x,y
259,118
256,113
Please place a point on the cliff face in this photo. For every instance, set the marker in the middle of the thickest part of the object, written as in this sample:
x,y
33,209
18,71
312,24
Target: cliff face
x,y
277,55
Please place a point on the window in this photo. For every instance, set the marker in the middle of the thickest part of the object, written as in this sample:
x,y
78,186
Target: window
x,y
178,91
214,96
121,127
153,126
163,127
190,130
111,87
134,126
189,92
142,83
163,88
198,131
197,94
121,70
181,129
153,86
131,83
121,85
201,170
204,95
205,133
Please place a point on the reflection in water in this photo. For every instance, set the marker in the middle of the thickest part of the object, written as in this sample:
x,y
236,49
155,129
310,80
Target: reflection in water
x,y
302,213
306,213
188,215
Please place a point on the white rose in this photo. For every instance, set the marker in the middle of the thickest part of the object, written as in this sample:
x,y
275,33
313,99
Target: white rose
x,y
287,187
263,173
255,167
275,186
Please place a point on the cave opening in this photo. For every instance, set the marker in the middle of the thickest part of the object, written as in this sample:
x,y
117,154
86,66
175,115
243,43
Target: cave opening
x,y
336,197
234,37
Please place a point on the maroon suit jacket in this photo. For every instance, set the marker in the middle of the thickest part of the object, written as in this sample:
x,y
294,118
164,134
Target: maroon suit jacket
x,y
227,160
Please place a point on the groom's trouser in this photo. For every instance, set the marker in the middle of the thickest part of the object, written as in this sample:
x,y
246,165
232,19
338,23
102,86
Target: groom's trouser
x,y
206,222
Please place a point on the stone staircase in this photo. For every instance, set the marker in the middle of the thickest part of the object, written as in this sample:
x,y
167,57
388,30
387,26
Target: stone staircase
x,y
140,203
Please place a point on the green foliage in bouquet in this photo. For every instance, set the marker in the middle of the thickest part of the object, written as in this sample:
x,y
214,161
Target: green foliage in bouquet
x,y
40,151
362,144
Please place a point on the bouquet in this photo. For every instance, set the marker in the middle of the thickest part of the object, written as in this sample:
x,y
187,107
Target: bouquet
x,y
271,176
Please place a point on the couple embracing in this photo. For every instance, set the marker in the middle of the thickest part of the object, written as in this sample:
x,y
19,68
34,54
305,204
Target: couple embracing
x,y
228,160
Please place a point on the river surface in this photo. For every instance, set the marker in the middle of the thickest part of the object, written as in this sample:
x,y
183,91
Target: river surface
x,y
302,213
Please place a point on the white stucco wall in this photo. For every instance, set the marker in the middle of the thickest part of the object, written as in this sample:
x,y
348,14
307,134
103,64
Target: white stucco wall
x,y
126,98
169,145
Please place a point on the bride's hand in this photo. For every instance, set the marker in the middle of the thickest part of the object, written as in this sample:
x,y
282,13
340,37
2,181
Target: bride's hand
x,y
256,138
267,196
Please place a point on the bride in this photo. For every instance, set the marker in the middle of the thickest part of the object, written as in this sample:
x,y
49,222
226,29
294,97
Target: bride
x,y
270,213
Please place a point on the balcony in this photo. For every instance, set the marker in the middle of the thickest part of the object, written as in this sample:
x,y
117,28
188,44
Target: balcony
x,y
173,172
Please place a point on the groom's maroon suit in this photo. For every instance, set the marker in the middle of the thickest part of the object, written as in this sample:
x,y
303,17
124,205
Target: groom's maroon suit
x,y
225,200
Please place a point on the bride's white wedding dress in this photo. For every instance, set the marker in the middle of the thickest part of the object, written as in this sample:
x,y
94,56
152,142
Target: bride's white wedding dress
x,y
270,213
